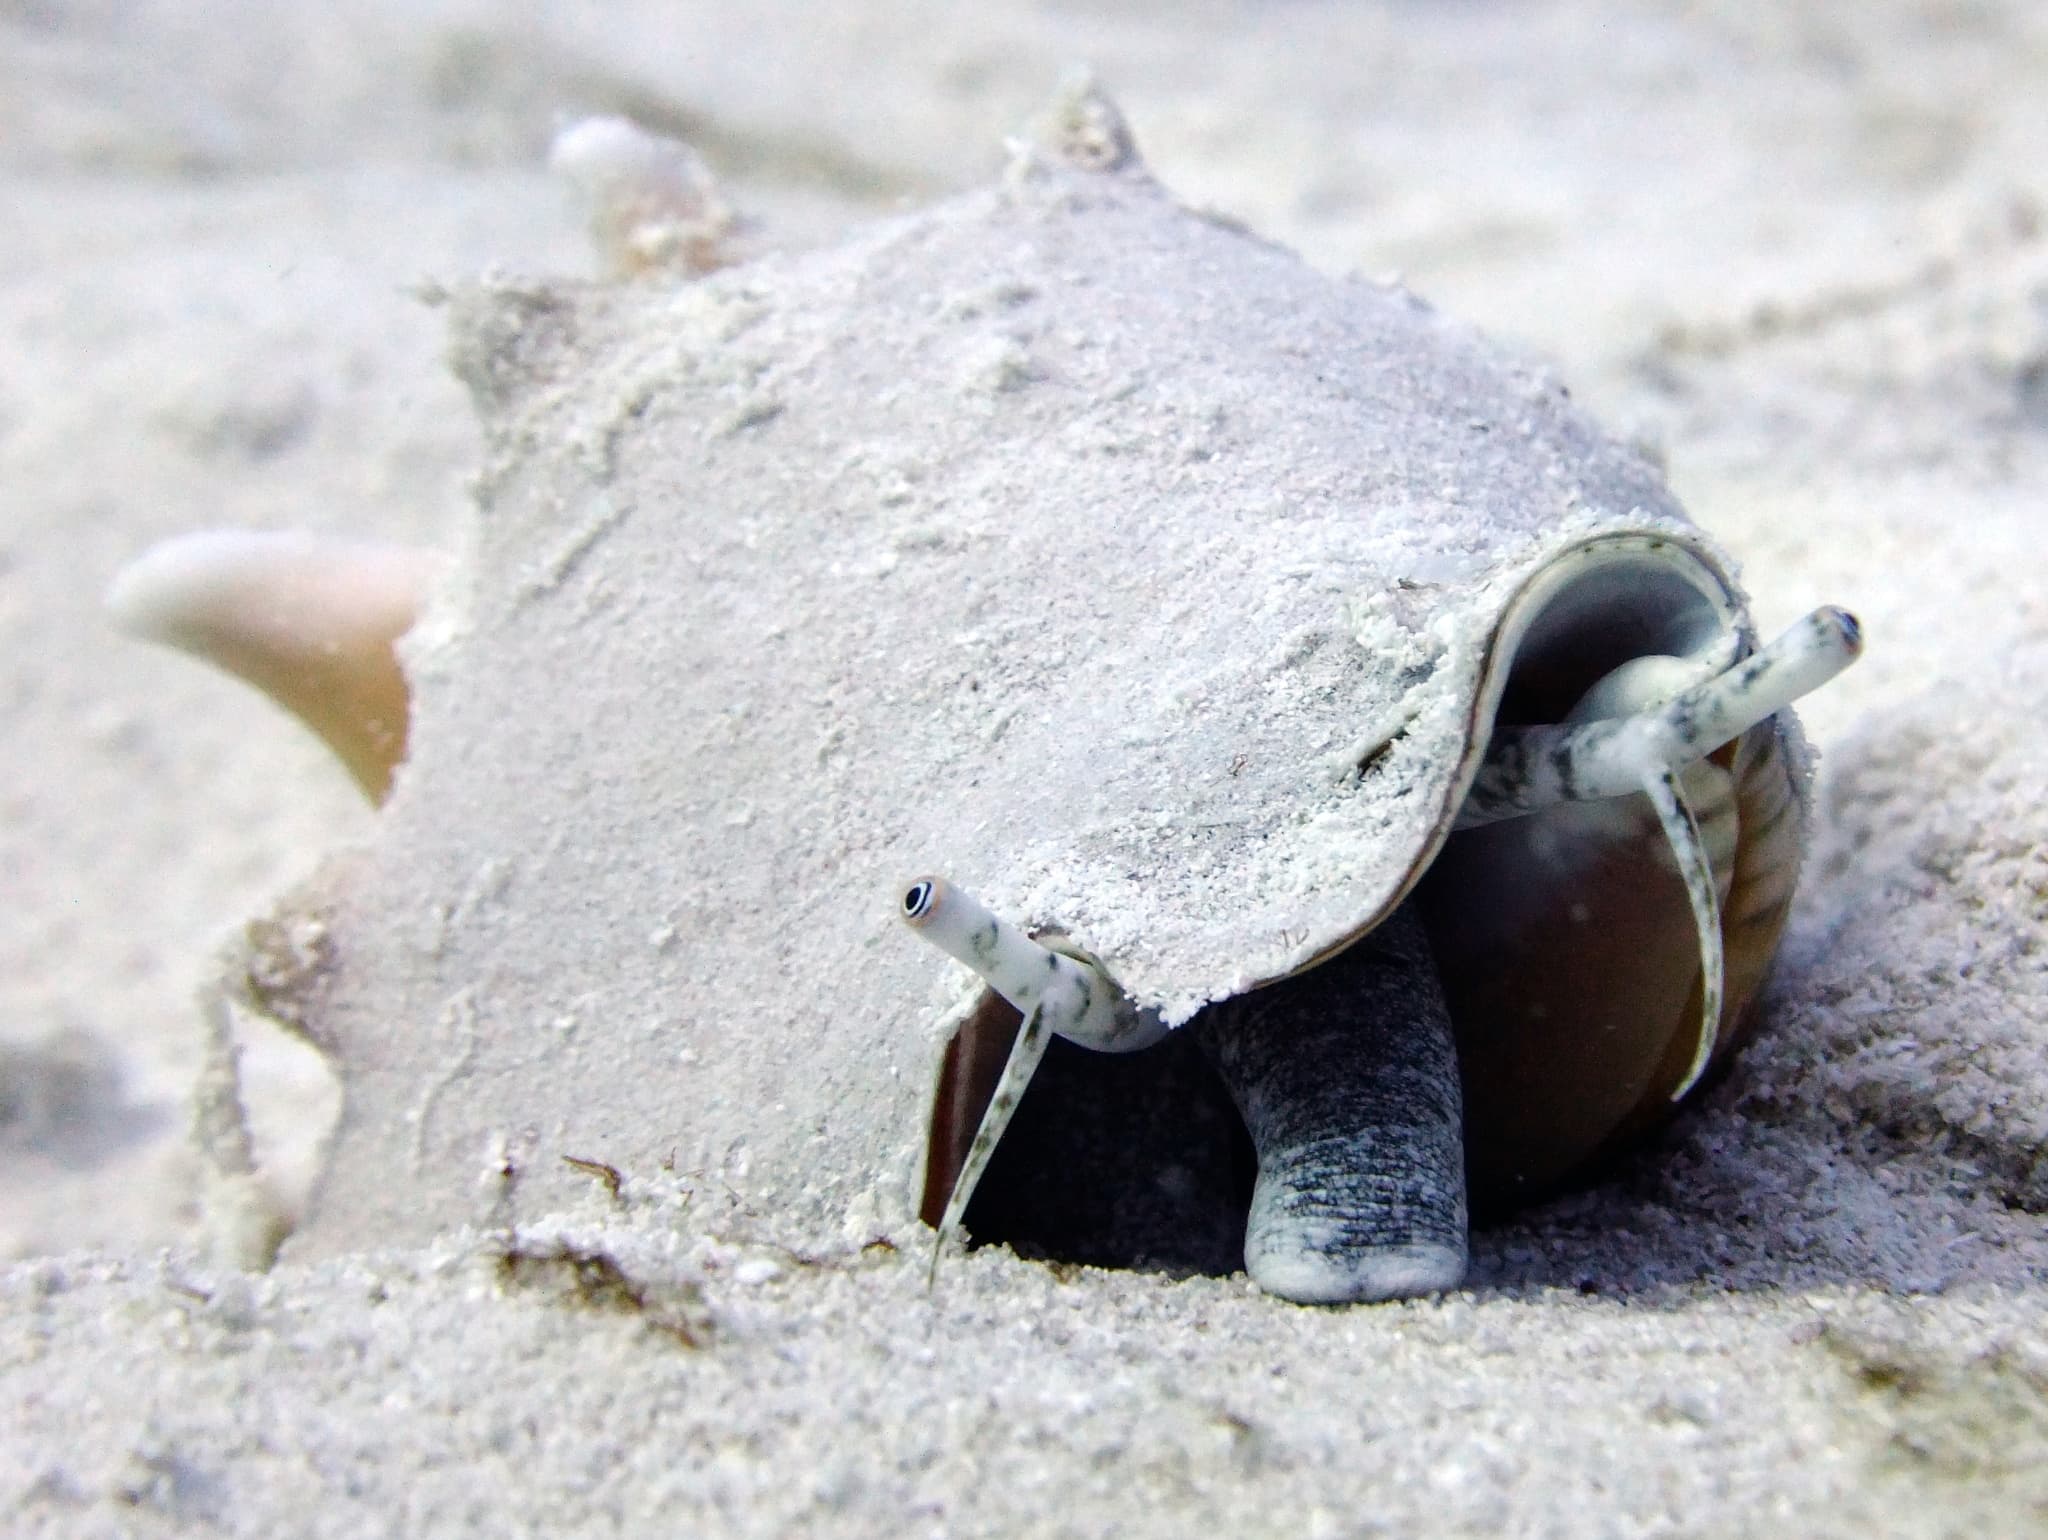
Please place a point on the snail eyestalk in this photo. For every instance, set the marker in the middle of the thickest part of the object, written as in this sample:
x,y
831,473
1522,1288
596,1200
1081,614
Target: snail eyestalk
x,y
1695,869
1072,997
1052,991
1018,1069
1529,768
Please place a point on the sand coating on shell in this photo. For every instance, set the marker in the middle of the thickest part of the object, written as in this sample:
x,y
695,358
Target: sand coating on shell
x,y
1057,539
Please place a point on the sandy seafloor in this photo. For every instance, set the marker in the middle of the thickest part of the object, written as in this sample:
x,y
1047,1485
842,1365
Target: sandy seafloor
x,y
1803,249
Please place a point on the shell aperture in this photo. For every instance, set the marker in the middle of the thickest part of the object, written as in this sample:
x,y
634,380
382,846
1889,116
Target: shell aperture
x,y
1347,1076
1635,729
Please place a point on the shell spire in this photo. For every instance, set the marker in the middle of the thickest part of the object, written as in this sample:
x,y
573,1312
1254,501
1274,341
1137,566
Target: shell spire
x,y
310,620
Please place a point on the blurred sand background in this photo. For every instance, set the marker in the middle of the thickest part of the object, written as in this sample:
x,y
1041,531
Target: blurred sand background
x,y
1800,248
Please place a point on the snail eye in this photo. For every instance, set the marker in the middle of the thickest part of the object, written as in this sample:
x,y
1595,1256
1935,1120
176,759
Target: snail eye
x,y
917,900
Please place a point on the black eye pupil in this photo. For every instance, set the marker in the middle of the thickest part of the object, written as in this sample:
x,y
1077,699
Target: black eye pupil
x,y
915,900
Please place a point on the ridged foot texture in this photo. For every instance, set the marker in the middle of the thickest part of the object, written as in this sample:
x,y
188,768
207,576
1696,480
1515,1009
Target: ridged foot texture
x,y
1347,1081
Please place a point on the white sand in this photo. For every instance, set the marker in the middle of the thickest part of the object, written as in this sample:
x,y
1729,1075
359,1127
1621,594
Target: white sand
x,y
1801,250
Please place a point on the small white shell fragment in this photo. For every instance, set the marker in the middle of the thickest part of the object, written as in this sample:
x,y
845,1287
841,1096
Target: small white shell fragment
x,y
653,205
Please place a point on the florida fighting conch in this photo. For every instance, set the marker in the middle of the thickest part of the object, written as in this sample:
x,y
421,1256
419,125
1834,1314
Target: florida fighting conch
x,y
1354,796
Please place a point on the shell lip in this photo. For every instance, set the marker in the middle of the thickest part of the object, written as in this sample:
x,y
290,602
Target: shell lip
x,y
1614,552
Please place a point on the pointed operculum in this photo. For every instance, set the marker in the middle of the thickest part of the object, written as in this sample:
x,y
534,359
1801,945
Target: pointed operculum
x,y
310,620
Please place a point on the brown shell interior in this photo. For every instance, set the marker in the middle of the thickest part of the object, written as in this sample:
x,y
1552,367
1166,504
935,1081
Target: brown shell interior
x,y
1577,1020
973,1063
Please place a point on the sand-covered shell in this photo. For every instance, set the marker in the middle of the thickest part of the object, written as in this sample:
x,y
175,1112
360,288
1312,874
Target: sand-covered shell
x,y
1152,586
